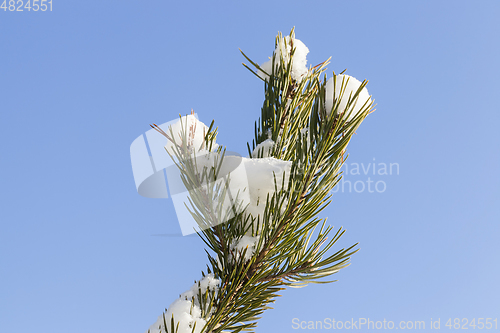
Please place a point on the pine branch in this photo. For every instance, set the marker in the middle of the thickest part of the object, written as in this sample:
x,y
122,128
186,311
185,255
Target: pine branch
x,y
313,138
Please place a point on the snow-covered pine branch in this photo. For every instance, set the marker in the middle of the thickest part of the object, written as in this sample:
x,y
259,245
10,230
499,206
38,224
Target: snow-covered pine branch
x,y
269,234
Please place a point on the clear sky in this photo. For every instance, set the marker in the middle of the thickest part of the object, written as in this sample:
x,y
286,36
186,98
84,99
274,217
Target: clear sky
x,y
78,250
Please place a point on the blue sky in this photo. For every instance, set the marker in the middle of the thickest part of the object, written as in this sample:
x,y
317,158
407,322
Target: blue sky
x,y
80,83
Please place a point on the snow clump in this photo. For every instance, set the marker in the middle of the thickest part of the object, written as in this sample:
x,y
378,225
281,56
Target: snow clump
x,y
261,174
263,149
299,65
245,242
194,132
187,309
351,86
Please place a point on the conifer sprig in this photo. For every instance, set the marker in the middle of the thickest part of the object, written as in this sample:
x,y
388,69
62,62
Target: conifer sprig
x,y
294,244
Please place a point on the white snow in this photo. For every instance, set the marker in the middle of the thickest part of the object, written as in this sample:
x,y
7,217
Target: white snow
x,y
186,313
207,282
299,64
263,148
305,134
267,69
351,85
245,242
194,134
251,180
261,173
